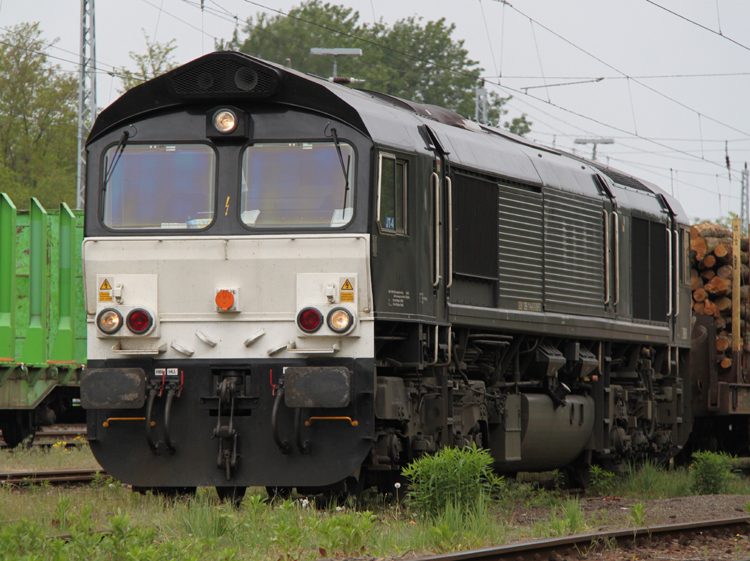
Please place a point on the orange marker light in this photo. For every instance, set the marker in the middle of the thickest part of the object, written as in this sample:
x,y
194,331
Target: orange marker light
x,y
224,299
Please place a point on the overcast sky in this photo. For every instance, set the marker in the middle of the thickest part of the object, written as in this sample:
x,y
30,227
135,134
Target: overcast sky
x,y
673,96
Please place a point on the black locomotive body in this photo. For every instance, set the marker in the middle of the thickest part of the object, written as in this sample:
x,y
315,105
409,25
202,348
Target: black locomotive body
x,y
401,279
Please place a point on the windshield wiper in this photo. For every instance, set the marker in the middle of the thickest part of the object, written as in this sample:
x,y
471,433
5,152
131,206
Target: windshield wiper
x,y
115,158
344,168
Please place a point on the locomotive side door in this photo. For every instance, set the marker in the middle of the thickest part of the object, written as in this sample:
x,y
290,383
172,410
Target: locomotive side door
x,y
440,218
441,252
612,222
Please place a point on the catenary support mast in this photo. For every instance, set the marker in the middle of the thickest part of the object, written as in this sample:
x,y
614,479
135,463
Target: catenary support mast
x,y
86,92
745,202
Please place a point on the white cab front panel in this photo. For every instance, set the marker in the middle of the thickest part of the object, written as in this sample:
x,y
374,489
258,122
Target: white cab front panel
x,y
178,278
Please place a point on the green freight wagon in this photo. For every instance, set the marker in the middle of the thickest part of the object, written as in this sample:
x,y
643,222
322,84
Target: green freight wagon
x,y
42,318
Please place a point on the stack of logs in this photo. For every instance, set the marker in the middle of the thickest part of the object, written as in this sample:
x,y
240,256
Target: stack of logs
x,y
711,283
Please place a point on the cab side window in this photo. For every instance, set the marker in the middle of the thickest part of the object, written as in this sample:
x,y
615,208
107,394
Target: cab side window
x,y
392,194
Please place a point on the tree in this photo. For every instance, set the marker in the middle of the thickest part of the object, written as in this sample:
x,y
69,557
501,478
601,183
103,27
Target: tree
x,y
38,121
411,60
157,60
518,125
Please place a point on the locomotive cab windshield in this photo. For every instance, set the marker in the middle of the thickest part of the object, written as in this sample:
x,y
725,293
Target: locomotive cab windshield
x,y
297,184
166,186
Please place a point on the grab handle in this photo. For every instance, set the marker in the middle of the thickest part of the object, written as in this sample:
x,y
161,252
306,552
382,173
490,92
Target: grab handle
x,y
450,232
669,261
436,183
607,250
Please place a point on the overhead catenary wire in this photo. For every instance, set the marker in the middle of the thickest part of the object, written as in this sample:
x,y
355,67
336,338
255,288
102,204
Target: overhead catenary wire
x,y
158,17
700,25
539,57
504,88
489,39
641,77
628,134
198,29
610,66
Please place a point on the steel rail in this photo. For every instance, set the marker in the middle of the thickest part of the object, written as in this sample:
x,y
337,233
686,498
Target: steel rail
x,y
59,433
529,551
53,476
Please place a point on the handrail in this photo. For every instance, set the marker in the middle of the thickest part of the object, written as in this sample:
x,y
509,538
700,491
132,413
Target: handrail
x,y
617,258
677,273
450,232
607,249
436,181
669,240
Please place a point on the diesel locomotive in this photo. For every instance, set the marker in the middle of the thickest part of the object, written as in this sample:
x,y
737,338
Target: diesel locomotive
x,y
294,284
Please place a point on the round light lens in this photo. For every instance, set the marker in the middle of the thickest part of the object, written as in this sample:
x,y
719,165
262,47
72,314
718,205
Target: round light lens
x,y
109,321
309,320
225,121
139,321
224,300
340,320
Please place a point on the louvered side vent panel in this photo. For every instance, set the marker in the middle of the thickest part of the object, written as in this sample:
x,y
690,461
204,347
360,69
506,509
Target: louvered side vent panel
x,y
573,254
520,249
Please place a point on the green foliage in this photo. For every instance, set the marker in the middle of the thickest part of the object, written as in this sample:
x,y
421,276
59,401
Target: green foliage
x,y
207,520
461,477
26,541
649,480
413,59
712,473
601,482
637,515
566,520
61,512
156,61
345,534
457,529
38,120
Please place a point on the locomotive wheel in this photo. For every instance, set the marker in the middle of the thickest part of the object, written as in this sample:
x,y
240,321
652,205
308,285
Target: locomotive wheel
x,y
233,495
17,429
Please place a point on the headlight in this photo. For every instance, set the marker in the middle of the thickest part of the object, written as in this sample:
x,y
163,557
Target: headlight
x,y
225,121
139,321
340,320
109,321
309,320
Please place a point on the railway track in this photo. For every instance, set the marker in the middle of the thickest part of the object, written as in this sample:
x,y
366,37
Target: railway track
x,y
631,543
54,477
50,435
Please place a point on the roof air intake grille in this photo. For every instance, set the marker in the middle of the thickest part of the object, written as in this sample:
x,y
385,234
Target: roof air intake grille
x,y
224,77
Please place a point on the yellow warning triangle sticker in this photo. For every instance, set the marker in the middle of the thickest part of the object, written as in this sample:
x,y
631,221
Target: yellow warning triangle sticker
x,y
105,285
347,285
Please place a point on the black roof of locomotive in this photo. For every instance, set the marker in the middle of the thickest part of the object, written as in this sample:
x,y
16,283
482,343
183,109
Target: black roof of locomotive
x,y
230,76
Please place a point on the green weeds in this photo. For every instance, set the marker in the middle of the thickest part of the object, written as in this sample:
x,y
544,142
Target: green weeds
x,y
712,473
57,456
565,520
456,503
458,477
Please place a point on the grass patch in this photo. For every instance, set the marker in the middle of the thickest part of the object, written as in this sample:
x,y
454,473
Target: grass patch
x,y
201,528
710,473
457,478
44,458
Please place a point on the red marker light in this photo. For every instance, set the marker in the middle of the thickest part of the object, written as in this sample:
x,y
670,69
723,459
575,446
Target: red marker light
x,y
139,321
309,320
